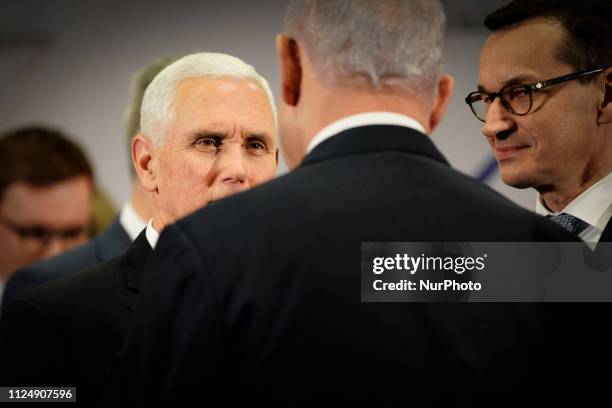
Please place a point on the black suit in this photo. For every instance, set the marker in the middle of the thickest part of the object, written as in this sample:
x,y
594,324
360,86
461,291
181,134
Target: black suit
x,y
606,235
583,336
109,244
259,295
66,332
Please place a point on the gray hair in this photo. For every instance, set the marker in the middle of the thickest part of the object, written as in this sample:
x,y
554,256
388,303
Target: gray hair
x,y
138,84
384,43
157,112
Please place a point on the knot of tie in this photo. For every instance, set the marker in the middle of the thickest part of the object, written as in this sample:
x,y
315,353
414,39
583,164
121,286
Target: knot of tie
x,y
569,222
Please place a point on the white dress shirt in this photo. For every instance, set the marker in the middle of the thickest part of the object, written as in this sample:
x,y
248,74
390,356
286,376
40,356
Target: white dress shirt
x,y
363,119
594,207
130,221
152,234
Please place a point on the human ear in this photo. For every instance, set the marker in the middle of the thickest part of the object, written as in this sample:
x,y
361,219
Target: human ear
x,y
605,109
143,161
290,69
446,85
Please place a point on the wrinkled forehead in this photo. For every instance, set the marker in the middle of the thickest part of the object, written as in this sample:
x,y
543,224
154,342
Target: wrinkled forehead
x,y
224,105
527,51
212,89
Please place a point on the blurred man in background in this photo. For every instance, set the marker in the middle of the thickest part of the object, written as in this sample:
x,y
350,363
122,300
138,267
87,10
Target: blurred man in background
x,y
131,221
46,187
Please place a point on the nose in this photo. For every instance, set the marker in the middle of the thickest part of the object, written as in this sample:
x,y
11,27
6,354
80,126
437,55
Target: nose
x,y
54,247
499,124
231,168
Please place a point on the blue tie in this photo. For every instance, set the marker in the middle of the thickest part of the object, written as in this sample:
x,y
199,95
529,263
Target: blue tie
x,y
570,223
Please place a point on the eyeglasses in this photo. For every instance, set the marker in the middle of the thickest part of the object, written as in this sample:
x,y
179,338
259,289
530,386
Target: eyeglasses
x,y
36,238
517,98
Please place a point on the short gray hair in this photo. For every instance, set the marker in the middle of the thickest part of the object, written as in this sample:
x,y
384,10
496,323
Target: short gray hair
x,y
156,112
138,85
386,43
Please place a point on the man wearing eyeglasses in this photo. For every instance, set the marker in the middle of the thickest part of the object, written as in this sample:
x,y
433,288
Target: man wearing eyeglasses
x,y
544,97
45,197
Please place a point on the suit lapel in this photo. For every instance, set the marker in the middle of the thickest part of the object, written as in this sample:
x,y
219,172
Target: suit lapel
x,y
133,265
112,242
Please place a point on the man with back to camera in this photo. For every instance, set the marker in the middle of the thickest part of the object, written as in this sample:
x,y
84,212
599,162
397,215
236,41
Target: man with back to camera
x,y
270,308
113,241
46,190
208,131
545,98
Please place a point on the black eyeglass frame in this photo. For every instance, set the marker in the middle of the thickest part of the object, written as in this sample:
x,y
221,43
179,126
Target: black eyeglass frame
x,y
40,234
530,89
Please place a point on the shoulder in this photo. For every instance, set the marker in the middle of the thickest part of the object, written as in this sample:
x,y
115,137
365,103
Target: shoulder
x,y
82,288
49,270
65,263
109,244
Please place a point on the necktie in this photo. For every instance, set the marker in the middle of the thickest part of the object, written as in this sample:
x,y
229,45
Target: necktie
x,y
569,222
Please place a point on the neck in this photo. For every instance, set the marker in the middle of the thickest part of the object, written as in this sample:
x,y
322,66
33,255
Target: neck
x,y
158,224
336,103
557,197
141,201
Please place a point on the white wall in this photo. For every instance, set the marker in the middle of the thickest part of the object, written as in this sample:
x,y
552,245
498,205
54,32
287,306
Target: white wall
x,y
79,80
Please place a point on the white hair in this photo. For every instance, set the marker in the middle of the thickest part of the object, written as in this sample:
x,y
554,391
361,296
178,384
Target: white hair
x,y
382,43
156,111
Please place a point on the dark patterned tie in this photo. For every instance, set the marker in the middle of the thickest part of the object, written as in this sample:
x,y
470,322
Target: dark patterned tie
x,y
570,223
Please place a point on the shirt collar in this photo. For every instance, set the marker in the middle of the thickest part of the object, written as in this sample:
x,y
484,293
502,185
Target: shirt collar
x,y
152,234
594,206
363,119
131,221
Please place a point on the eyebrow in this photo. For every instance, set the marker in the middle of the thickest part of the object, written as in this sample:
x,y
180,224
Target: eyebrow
x,y
263,136
221,135
522,79
195,136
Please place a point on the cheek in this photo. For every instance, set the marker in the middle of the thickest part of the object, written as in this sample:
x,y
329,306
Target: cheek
x,y
12,253
191,177
554,144
8,242
185,185
262,170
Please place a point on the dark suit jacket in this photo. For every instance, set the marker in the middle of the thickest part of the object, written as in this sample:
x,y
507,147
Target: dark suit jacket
x,y
606,235
109,244
259,295
585,337
66,332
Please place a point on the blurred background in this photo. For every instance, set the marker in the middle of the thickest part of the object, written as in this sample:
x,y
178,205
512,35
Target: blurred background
x,y
68,63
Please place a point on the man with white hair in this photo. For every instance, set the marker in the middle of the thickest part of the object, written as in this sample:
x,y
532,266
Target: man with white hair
x,y
270,308
208,125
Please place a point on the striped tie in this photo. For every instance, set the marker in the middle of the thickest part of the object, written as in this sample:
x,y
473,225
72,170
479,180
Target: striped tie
x,y
570,223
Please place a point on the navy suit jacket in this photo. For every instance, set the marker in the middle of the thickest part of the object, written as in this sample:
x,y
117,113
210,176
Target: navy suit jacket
x,y
258,295
111,243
